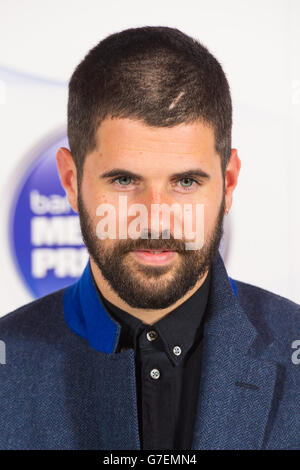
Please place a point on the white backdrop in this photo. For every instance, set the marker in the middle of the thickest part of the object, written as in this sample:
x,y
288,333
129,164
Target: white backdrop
x,y
258,45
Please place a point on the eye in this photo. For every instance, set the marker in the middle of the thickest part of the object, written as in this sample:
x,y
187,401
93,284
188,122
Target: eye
x,y
123,180
187,182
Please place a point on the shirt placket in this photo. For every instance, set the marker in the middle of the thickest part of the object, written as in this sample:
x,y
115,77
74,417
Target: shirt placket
x,y
157,390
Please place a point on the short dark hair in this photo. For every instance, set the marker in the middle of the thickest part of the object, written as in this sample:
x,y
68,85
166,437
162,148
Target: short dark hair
x,y
155,74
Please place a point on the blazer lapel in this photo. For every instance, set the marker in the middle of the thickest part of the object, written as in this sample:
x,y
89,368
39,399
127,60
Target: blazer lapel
x,y
117,401
236,387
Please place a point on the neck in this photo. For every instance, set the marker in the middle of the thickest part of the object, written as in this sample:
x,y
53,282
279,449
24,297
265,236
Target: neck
x,y
148,316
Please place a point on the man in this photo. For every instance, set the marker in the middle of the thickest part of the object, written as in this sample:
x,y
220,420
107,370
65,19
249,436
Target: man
x,y
155,347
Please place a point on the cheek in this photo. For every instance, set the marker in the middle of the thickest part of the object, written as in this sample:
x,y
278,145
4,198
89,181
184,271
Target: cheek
x,y
212,203
104,214
211,213
92,196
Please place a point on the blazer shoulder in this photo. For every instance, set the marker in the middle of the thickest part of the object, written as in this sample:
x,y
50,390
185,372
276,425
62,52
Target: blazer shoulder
x,y
35,316
261,305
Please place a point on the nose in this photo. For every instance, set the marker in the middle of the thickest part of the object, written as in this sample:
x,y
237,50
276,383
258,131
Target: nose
x,y
160,211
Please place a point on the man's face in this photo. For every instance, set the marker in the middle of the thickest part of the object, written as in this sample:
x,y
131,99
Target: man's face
x,y
151,165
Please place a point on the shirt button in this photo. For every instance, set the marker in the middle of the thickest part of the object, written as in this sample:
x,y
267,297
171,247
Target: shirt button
x,y
177,350
155,374
151,335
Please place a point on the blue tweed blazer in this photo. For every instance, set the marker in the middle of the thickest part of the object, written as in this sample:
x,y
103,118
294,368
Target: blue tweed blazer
x,y
60,389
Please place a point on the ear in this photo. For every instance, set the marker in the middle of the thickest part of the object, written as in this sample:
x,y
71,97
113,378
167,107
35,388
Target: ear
x,y
68,175
231,177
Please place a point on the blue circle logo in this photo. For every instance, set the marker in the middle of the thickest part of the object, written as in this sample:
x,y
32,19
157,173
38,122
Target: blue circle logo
x,y
44,230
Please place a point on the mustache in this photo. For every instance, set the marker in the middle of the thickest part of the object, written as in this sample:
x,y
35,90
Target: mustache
x,y
153,244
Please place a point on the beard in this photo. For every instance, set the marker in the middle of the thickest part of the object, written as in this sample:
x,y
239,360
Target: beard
x,y
149,286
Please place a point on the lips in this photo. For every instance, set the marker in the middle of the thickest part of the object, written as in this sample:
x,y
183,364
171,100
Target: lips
x,y
156,251
154,256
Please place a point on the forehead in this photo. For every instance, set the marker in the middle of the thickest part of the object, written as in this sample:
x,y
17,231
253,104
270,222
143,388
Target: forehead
x,y
127,135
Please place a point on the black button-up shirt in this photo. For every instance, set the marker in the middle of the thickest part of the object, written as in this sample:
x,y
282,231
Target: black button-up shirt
x,y
168,360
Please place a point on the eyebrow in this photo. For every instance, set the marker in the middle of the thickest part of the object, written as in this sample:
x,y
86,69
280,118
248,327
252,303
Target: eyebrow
x,y
181,174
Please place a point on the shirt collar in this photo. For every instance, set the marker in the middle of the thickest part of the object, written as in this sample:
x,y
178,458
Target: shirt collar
x,y
87,316
178,328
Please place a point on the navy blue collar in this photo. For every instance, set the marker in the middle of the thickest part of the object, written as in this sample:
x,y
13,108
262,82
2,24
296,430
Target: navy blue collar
x,y
86,315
